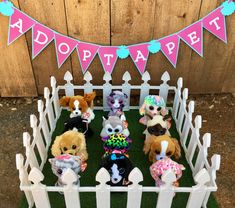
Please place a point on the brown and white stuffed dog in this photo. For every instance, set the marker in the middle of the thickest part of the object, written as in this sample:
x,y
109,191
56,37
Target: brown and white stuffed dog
x,y
70,142
161,147
80,105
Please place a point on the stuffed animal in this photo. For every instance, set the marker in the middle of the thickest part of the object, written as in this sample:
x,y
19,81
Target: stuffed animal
x,y
114,125
70,142
61,163
158,126
153,105
80,105
78,124
117,101
162,146
161,166
119,168
116,143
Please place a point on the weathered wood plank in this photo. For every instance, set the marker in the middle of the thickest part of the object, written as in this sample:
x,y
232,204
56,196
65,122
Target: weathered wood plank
x,y
51,14
132,22
17,77
88,21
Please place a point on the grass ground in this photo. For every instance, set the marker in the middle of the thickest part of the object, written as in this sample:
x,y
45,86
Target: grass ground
x,y
95,151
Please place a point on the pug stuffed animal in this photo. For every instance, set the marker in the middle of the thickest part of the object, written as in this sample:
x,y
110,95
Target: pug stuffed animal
x,y
114,125
80,105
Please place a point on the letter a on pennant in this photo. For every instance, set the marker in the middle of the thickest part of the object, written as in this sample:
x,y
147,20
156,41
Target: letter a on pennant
x,y
19,24
86,53
41,37
192,36
108,57
139,54
64,47
215,23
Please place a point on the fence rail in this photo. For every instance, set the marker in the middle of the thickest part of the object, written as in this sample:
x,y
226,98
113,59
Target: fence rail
x,y
30,170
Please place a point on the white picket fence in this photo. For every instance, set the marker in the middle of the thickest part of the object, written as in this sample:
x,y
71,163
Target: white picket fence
x,y
30,170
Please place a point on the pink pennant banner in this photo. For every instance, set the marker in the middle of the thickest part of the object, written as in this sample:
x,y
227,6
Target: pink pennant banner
x,y
19,24
139,54
108,57
41,37
86,53
170,48
215,23
192,36
64,47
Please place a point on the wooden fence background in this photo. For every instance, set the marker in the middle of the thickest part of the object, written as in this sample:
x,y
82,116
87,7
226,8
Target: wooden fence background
x,y
117,22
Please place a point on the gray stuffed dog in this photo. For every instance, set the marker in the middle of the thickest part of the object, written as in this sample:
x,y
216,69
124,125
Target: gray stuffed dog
x,y
114,125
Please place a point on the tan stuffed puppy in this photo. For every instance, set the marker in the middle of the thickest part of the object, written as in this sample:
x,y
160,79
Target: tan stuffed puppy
x,y
80,105
70,142
160,147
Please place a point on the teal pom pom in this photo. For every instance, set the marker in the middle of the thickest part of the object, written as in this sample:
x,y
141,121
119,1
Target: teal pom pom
x,y
154,46
6,8
228,8
123,52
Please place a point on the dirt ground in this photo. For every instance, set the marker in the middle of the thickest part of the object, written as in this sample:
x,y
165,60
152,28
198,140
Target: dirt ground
x,y
218,113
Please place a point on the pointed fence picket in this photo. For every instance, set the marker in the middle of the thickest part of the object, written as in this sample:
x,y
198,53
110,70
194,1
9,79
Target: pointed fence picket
x,y
204,173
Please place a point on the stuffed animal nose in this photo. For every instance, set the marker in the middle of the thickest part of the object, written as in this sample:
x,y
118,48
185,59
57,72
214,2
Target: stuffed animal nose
x,y
76,112
115,179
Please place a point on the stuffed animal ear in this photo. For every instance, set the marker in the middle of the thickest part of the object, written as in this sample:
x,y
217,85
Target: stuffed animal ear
x,y
142,109
104,118
89,96
177,153
64,101
167,118
55,149
164,111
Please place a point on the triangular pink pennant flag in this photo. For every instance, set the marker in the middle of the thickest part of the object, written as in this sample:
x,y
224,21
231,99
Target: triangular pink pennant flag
x,y
19,24
108,57
139,54
41,37
64,47
170,48
215,23
192,36
86,53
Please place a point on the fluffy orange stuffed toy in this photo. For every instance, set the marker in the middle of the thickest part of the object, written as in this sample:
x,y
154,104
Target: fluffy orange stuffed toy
x,y
80,105
70,142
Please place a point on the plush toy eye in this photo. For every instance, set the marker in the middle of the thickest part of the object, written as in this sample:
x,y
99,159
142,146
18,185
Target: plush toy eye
x,y
74,108
151,107
74,147
169,153
151,130
157,152
162,132
116,130
112,101
120,102
159,108
65,149
59,171
110,130
121,170
80,109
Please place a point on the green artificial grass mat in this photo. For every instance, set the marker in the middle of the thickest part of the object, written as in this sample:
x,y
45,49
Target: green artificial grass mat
x,y
95,151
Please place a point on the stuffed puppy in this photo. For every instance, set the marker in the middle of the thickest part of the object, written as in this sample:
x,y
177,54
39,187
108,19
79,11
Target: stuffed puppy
x,y
114,125
117,101
116,143
61,163
119,168
158,125
80,105
78,124
162,146
70,142
158,168
153,105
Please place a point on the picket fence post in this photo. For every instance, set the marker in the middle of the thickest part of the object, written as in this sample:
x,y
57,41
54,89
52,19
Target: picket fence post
x,y
126,88
144,90
29,151
43,121
38,138
134,190
88,87
188,121
166,193
69,89
197,196
107,89
177,98
71,193
23,176
55,97
102,190
164,87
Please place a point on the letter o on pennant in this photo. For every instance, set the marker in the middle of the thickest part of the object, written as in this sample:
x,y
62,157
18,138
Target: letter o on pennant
x,y
65,46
